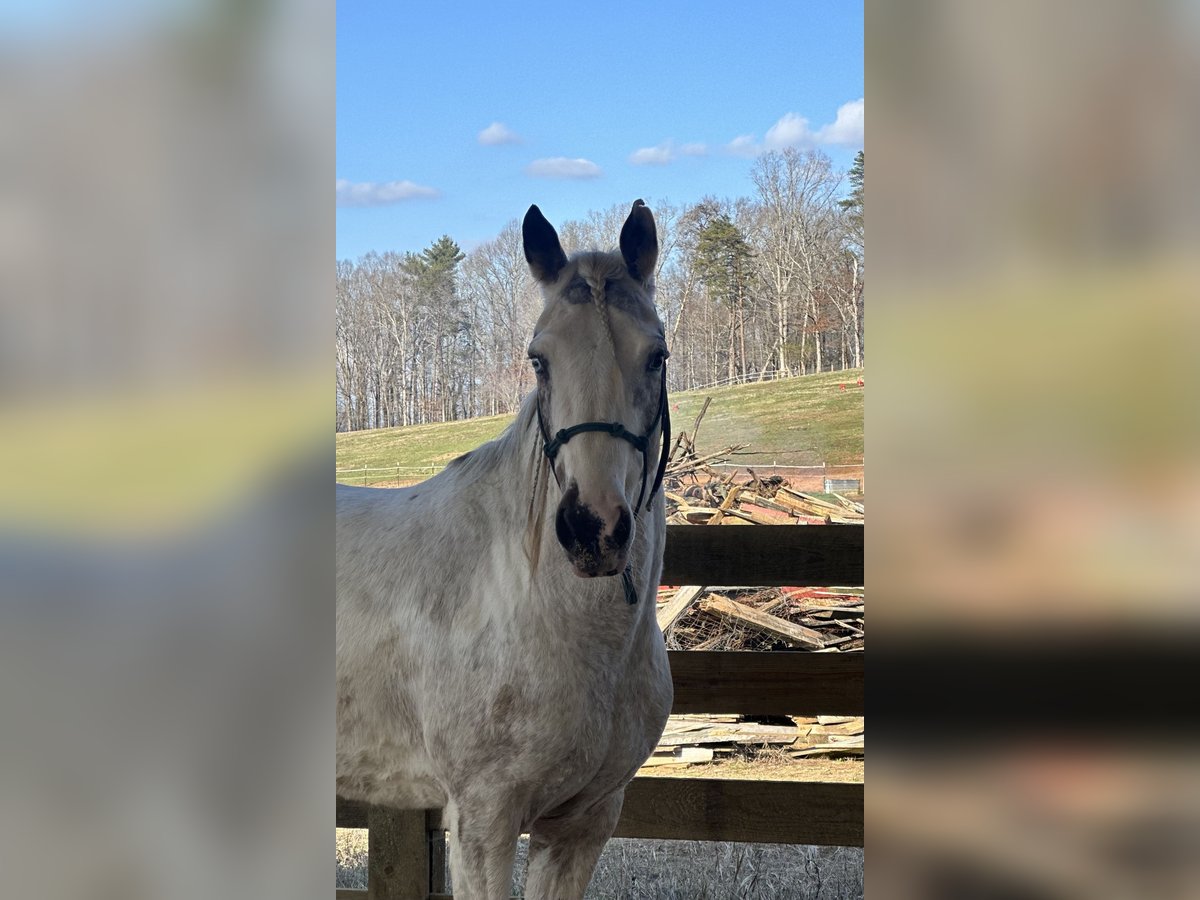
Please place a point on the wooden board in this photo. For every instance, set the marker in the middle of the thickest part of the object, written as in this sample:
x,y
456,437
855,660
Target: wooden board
x,y
739,733
677,605
682,756
713,809
793,556
716,809
773,625
784,684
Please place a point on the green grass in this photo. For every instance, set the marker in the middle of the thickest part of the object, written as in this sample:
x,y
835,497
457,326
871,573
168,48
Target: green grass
x,y
416,445
797,421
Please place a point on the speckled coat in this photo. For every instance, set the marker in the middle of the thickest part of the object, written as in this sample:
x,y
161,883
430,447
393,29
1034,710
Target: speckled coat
x,y
476,669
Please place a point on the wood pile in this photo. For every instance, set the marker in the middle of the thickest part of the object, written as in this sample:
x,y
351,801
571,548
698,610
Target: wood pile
x,y
695,617
701,739
710,499
697,494
699,617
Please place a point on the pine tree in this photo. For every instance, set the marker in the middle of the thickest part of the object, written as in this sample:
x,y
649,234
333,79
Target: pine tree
x,y
854,203
723,259
435,269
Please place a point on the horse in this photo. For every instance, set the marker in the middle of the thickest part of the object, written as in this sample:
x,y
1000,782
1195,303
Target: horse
x,y
480,667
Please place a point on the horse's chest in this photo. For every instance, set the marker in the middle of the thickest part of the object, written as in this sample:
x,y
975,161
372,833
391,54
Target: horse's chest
x,y
516,700
554,711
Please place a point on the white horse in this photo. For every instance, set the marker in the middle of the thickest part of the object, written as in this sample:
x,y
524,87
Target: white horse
x,y
479,667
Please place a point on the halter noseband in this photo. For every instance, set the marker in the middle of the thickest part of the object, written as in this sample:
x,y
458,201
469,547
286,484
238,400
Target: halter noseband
x,y
641,443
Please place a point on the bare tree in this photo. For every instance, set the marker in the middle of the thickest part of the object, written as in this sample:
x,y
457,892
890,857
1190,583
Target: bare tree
x,y
495,280
798,194
747,288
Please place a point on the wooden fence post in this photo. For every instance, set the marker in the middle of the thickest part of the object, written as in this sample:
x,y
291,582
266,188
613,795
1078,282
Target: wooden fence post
x,y
397,854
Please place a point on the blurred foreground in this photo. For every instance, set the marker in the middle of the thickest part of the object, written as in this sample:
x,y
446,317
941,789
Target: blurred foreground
x,y
166,628
1034,437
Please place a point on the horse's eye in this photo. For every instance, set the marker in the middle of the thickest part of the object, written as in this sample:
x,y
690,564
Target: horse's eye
x,y
657,358
539,365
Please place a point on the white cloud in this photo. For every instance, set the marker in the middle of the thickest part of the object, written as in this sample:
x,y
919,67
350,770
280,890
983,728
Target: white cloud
x,y
790,131
664,153
847,129
498,133
743,145
653,156
370,193
793,130
562,167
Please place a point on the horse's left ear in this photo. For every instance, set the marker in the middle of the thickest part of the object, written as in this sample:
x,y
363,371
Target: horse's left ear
x,y
639,242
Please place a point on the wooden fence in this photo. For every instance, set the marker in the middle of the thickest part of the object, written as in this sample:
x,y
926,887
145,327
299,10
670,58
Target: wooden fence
x,y
406,848
371,475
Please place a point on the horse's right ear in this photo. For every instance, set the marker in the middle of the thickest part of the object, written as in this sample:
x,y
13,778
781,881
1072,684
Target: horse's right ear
x,y
543,252
639,242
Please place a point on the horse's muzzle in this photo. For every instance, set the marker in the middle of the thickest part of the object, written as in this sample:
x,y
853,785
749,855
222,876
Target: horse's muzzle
x,y
596,540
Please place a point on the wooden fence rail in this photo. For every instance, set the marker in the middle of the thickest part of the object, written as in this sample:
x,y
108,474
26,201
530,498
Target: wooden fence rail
x,y
764,555
406,848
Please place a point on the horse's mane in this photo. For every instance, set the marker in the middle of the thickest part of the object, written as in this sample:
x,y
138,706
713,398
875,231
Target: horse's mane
x,y
484,460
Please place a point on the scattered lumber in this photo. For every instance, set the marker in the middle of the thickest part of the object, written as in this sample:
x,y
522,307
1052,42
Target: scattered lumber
x,y
677,606
851,505
693,739
712,618
697,494
832,750
749,616
734,490
679,756
736,733
809,505
696,617
829,736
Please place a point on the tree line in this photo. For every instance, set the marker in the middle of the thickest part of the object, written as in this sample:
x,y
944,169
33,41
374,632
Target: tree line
x,y
751,288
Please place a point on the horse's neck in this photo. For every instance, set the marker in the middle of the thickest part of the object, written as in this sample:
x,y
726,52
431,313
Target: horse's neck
x,y
497,475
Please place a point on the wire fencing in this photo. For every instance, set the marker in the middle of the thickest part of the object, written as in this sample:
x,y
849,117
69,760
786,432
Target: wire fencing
x,y
391,475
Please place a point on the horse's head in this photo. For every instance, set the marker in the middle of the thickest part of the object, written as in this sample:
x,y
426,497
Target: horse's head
x,y
599,354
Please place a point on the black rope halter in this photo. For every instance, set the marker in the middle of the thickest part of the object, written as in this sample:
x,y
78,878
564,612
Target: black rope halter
x,y
640,442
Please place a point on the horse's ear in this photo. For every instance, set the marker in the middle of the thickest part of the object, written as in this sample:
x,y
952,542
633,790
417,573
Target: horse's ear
x,y
543,252
639,242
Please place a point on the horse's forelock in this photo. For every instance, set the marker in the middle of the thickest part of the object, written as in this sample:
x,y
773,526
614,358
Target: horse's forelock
x,y
596,268
603,279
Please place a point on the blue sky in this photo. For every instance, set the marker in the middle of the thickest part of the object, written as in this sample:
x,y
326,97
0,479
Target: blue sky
x,y
578,90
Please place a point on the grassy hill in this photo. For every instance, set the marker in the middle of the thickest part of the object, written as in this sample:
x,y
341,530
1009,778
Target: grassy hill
x,y
797,421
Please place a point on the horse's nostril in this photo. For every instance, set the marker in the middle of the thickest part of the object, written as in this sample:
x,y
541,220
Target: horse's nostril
x,y
562,528
620,533
577,524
